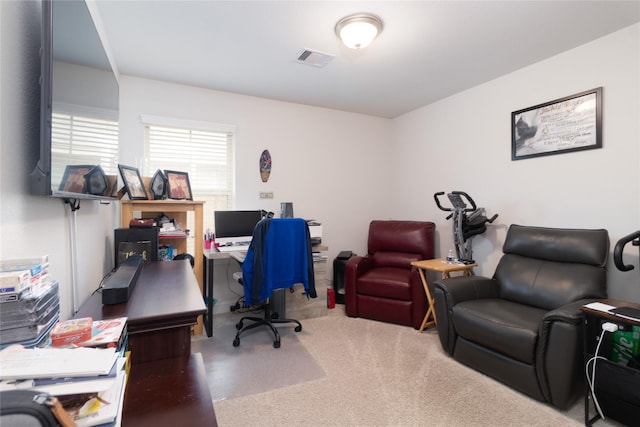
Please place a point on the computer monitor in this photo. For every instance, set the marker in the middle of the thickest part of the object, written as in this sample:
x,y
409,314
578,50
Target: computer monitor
x,y
235,226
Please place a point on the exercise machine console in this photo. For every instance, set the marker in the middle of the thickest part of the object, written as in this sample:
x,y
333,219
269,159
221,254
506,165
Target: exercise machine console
x,y
468,221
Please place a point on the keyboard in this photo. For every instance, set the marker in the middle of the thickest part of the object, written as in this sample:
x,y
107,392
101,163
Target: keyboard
x,y
238,256
234,248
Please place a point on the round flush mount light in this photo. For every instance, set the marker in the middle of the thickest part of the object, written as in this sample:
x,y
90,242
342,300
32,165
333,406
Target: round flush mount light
x,y
358,30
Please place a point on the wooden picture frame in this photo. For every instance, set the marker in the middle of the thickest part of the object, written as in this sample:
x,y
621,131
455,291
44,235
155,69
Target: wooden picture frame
x,y
572,123
178,185
73,180
133,182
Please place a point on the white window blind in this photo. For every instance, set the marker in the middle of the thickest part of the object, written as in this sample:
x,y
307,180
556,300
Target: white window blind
x,y
206,154
83,140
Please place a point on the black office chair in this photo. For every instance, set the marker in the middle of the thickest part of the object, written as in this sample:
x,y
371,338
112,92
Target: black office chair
x,y
279,256
185,256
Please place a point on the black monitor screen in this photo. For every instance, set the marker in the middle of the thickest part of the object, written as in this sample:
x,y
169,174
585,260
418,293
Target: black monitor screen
x,y
230,224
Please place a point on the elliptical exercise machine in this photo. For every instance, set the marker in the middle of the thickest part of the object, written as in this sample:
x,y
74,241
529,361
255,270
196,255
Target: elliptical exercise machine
x,y
467,222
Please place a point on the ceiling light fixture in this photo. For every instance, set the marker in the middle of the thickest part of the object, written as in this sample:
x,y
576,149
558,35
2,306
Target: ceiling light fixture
x,y
358,30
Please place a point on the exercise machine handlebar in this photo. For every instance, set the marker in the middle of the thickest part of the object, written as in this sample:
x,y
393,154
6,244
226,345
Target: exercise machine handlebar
x,y
617,252
458,199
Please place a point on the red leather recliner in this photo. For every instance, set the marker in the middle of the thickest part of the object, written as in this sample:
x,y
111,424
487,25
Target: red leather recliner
x,y
383,285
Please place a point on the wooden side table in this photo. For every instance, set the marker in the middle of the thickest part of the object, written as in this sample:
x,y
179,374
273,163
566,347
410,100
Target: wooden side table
x,y
437,264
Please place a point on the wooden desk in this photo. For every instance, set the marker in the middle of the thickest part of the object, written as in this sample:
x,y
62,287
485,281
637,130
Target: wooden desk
x,y
438,264
164,304
168,392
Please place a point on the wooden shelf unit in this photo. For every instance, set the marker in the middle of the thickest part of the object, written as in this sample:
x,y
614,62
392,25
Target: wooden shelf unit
x,y
178,210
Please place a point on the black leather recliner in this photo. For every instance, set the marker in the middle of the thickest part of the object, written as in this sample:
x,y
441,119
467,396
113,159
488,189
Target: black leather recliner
x,y
523,326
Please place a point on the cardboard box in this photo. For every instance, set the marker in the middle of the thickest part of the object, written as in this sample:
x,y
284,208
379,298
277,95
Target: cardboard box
x,y
71,331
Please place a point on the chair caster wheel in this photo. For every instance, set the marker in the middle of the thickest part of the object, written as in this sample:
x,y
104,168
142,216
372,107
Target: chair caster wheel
x,y
276,344
239,325
298,328
236,342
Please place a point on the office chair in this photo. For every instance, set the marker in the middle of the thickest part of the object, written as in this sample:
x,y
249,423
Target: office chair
x,y
185,256
279,256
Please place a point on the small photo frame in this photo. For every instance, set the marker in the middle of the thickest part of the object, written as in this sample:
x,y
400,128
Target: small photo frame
x,y
73,180
158,185
178,185
96,181
133,182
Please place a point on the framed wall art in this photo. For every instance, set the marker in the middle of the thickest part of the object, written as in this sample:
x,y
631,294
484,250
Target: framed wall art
x,y
133,183
73,180
178,185
573,123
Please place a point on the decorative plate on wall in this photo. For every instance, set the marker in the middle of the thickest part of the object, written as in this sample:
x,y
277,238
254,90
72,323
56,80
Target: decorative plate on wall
x,y
265,165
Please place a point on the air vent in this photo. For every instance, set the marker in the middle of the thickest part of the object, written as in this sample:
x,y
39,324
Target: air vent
x,y
314,58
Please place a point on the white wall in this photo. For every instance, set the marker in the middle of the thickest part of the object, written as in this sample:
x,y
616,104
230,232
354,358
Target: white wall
x,y
330,164
464,143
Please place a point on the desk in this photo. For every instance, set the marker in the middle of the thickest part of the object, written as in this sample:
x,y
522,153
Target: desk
x,y
210,255
438,264
168,392
164,304
298,306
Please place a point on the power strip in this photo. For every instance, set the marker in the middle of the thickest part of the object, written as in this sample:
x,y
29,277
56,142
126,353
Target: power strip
x,y
237,306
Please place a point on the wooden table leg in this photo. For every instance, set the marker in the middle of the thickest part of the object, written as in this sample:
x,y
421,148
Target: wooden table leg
x,y
430,310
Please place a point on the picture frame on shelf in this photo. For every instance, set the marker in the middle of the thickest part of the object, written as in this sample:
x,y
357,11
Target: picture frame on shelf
x,y
96,181
133,182
569,124
159,185
73,180
178,185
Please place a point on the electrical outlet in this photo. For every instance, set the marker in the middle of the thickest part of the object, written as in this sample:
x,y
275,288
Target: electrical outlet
x,y
266,195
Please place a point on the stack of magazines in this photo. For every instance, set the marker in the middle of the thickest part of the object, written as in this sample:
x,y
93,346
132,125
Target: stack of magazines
x,y
89,382
29,302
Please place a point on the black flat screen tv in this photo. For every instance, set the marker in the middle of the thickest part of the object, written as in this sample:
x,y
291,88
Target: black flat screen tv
x,y
76,75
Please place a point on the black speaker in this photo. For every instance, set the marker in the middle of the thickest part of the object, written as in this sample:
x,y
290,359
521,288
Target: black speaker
x,y
137,240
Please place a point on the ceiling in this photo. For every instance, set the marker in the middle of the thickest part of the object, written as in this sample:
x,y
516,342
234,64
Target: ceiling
x,y
427,51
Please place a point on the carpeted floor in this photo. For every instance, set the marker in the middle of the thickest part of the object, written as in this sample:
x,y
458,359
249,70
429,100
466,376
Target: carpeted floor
x,y
342,371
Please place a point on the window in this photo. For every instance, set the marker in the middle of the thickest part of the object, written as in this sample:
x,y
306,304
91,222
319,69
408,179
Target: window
x,y
82,140
203,150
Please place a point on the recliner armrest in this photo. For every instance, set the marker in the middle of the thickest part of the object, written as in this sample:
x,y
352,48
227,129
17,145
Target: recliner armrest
x,y
463,288
569,313
354,268
559,353
449,292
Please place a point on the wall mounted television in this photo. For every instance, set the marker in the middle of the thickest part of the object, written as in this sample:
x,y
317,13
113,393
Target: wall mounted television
x,y
77,81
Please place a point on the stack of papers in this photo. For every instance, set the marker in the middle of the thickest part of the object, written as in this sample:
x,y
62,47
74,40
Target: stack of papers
x,y
89,382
